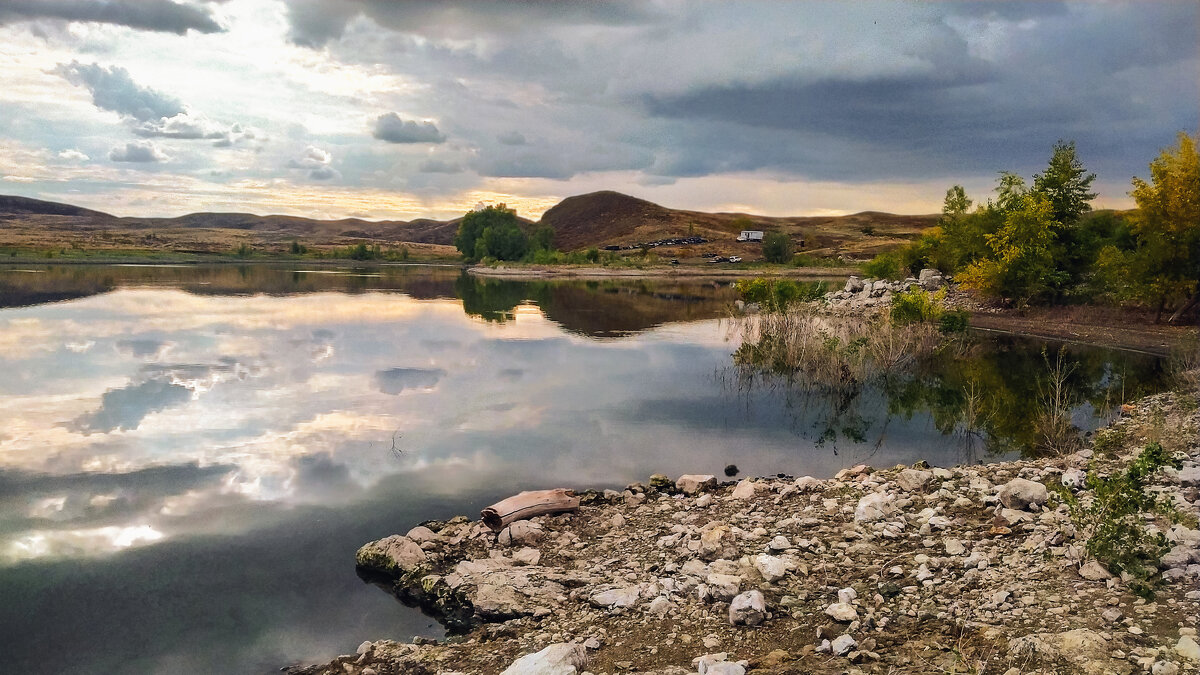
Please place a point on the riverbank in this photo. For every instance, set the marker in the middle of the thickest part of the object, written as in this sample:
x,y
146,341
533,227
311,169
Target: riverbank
x,y
692,272
914,570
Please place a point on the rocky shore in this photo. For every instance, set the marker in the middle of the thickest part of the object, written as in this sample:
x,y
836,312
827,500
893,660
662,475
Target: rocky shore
x,y
967,569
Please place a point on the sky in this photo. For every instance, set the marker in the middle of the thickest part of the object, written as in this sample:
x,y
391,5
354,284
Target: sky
x,y
387,109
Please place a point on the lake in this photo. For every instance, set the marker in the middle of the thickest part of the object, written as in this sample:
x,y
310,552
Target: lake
x,y
190,456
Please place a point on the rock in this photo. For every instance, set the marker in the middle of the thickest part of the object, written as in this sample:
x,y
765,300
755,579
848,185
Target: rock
x,y
527,556
1187,649
1019,494
1080,646
843,644
617,597
731,470
714,544
1074,478
557,659
395,555
724,586
807,484
1189,477
875,506
421,534
660,482
930,279
744,490
847,595
1094,571
1112,615
854,285
954,547
779,543
1164,668
747,609
771,568
691,484
704,500
842,611
660,606
913,480
521,533
1011,517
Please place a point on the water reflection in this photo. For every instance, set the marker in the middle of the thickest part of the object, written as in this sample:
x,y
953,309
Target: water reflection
x,y
190,456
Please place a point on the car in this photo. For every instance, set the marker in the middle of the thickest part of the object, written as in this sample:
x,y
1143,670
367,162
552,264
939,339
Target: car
x,y
735,259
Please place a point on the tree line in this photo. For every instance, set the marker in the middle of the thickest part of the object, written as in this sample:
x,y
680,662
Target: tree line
x,y
1042,243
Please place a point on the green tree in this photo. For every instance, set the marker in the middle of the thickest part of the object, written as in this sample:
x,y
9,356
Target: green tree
x,y
505,237
777,247
1021,265
542,239
956,203
1065,183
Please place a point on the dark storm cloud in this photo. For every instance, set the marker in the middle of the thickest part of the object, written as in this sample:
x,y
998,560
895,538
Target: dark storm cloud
x,y
319,474
138,152
395,380
154,15
391,128
511,138
315,22
113,89
434,165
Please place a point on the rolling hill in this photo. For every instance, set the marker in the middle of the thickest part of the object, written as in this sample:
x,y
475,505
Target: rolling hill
x,y
603,218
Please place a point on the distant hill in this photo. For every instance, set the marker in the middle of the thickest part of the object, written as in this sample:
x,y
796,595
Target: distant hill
x,y
596,219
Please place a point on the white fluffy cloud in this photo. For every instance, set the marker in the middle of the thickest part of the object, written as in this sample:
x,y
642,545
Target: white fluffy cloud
x,y
138,152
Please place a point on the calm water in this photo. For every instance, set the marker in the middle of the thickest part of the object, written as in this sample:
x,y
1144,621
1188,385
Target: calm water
x,y
189,457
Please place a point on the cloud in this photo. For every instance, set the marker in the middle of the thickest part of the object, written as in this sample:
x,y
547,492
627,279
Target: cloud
x,y
73,156
395,380
434,165
153,15
113,89
391,128
125,408
316,162
183,125
137,151
511,138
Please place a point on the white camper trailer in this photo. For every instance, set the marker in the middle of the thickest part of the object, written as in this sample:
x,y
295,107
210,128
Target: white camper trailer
x,y
750,235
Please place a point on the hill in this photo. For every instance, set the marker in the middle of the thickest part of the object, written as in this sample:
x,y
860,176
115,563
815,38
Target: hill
x,y
599,219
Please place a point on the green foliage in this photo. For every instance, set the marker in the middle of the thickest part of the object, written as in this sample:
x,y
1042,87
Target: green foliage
x,y
809,260
493,232
297,248
542,239
363,252
779,295
1065,184
886,265
1022,261
777,247
592,255
1112,519
243,251
954,321
917,306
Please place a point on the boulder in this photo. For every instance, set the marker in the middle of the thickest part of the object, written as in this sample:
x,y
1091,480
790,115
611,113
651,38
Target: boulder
x,y
1094,571
396,555
913,480
724,586
559,659
744,490
931,279
617,597
1074,478
854,285
842,611
747,609
843,644
875,506
772,568
1020,494
690,484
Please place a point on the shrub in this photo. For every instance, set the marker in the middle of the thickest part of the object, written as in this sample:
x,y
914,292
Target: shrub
x,y
886,266
1112,519
777,247
954,321
593,255
917,306
777,295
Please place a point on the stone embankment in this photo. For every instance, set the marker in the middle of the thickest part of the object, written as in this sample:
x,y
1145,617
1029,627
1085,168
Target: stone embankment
x,y
900,570
863,293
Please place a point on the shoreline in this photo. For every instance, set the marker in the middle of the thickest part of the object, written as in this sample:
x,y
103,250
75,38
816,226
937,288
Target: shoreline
x,y
890,570
657,272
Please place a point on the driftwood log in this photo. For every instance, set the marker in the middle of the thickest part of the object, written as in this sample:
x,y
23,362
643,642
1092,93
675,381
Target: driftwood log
x,y
527,505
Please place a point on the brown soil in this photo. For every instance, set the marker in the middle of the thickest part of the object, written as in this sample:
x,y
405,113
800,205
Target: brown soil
x,y
1108,326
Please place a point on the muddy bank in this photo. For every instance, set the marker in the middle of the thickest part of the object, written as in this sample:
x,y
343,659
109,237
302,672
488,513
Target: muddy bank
x,y
913,570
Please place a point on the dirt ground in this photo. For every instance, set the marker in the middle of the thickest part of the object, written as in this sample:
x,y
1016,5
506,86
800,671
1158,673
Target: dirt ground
x,y
1108,326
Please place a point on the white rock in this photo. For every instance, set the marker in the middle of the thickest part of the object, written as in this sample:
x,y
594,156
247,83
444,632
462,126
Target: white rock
x,y
843,644
421,534
913,480
875,506
690,484
744,490
847,595
954,547
772,568
841,611
559,659
521,533
660,606
1187,648
1074,478
1094,571
724,586
1019,494
617,597
527,556
704,500
747,609
779,543
807,484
